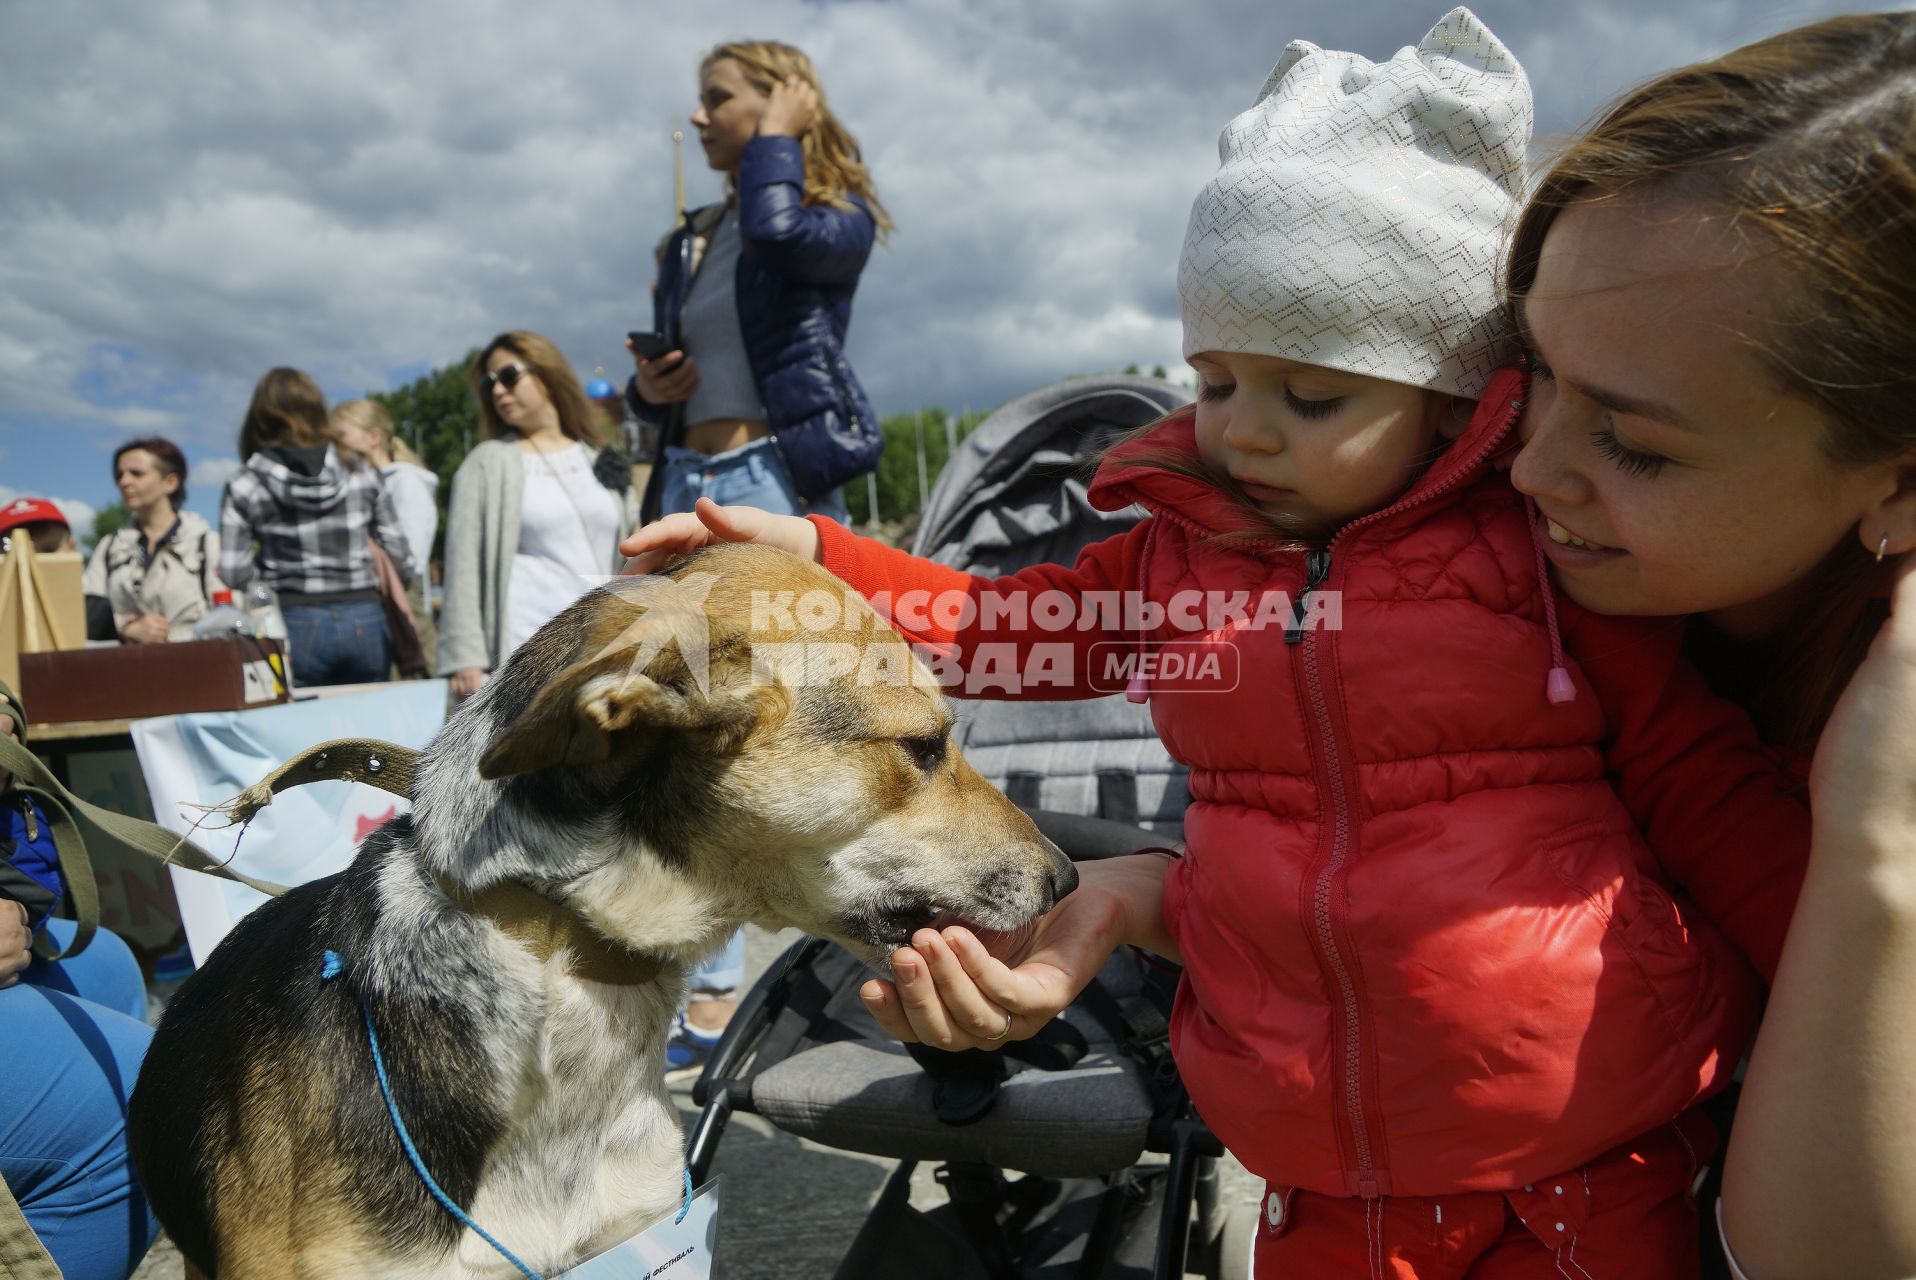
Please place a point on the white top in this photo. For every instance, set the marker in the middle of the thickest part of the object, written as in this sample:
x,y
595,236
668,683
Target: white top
x,y
569,524
411,489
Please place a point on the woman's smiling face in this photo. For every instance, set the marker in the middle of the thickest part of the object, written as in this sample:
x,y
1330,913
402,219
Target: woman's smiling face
x,y
1656,435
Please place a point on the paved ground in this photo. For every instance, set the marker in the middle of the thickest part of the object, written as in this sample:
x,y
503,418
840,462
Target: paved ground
x,y
790,1207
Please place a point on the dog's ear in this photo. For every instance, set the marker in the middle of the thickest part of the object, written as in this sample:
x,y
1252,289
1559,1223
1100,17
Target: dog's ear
x,y
640,687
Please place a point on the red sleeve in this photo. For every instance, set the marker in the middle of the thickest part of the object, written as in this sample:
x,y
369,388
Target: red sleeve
x,y
1046,632
1726,819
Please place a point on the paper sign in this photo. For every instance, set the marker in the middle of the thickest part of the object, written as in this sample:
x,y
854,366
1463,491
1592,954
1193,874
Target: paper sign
x,y
666,1250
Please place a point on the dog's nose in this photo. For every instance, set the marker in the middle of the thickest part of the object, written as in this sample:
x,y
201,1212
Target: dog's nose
x,y
1063,879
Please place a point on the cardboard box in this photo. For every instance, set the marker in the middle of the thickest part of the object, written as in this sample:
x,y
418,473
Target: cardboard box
x,y
131,681
41,607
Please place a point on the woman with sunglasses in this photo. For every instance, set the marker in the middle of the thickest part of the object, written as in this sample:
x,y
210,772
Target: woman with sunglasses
x,y
537,508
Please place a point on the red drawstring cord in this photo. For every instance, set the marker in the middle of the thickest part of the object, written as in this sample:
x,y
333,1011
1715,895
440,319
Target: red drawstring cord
x,y
1559,688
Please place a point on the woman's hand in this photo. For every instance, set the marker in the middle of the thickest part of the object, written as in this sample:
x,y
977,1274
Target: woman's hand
x,y
1861,778
671,378
1818,1179
790,109
15,939
148,628
653,546
466,683
947,991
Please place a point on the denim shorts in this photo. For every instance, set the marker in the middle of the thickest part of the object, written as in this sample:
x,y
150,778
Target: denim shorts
x,y
752,475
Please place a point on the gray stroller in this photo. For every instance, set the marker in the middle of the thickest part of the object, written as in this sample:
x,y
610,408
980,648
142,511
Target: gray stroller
x,y
1077,1153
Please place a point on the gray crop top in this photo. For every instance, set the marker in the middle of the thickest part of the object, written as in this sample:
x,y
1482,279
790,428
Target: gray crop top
x,y
709,328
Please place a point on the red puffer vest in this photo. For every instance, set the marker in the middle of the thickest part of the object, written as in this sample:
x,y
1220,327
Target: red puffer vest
x,y
1426,948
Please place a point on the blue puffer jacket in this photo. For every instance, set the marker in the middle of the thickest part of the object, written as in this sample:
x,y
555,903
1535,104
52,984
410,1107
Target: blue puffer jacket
x,y
798,267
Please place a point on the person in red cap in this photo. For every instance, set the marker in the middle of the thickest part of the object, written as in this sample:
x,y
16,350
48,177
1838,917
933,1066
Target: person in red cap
x,y
43,523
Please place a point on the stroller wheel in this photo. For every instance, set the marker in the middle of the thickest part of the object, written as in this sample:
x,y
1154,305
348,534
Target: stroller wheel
x,y
1235,1243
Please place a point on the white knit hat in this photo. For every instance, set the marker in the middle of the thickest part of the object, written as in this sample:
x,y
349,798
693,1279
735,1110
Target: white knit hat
x,y
1357,216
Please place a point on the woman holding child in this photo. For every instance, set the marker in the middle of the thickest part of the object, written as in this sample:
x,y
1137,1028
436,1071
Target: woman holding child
x,y
1716,287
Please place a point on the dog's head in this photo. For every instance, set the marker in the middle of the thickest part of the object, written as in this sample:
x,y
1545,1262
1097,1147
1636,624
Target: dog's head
x,y
745,739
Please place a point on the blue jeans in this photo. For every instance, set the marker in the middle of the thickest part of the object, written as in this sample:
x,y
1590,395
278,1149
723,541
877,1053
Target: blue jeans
x,y
338,643
753,475
72,1034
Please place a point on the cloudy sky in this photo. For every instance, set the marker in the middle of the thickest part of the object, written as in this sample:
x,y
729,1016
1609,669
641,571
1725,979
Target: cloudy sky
x,y
194,192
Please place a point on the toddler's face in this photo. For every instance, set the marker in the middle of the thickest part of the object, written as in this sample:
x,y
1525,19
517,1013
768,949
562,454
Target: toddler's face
x,y
1312,446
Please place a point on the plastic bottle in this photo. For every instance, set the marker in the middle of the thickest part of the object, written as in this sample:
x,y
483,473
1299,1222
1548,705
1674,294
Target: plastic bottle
x,y
262,610
223,619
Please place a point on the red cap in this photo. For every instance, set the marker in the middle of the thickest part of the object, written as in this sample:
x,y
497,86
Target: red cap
x,y
29,511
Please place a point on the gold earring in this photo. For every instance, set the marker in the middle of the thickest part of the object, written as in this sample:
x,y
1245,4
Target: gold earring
x,y
1882,547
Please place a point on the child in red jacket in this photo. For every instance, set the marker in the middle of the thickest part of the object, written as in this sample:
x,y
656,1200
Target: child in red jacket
x,y
1438,990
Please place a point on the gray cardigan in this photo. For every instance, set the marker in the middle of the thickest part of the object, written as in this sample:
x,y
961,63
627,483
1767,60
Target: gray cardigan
x,y
482,536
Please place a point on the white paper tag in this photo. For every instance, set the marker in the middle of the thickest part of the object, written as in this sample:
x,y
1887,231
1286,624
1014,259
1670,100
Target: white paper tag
x,y
666,1250
257,682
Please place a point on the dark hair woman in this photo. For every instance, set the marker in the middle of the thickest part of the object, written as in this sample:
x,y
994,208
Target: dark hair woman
x,y
151,579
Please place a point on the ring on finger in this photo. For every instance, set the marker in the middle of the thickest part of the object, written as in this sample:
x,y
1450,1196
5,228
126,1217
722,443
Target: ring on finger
x,y
1002,1034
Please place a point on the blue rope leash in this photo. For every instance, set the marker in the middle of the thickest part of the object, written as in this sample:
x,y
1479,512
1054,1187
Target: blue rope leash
x,y
329,969
330,966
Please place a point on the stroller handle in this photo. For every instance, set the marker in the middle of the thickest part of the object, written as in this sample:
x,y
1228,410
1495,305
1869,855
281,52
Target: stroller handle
x,y
1087,839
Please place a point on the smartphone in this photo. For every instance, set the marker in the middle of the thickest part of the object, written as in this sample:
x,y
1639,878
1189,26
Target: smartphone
x,y
650,346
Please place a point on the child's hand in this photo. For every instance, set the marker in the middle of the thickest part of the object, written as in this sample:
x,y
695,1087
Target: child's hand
x,y
951,993
15,941
657,544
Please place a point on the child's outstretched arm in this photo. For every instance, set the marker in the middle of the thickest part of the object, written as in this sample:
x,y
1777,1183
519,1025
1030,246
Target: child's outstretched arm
x,y
949,992
1040,633
651,547
1725,818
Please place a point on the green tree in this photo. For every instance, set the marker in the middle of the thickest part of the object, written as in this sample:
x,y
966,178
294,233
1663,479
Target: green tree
x,y
107,521
897,474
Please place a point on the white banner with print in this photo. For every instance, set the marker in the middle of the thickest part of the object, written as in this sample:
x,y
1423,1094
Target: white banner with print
x,y
208,757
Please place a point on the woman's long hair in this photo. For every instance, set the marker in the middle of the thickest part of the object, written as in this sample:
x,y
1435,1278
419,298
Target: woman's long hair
x,y
1805,139
288,411
834,169
555,374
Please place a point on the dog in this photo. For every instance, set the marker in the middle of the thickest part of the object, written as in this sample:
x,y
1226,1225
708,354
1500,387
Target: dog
x,y
661,763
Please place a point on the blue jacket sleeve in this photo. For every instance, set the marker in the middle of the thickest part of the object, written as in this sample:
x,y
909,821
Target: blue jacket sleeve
x,y
813,244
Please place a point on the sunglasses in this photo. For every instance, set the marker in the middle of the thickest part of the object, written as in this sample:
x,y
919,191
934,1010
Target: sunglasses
x,y
507,377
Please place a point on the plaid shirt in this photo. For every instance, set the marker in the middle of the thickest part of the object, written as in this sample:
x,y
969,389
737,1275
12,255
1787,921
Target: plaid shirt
x,y
306,532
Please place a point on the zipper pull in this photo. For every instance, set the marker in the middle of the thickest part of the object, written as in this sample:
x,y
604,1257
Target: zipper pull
x,y
33,825
1317,567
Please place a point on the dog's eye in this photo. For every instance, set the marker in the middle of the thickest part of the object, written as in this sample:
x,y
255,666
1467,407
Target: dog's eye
x,y
927,752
